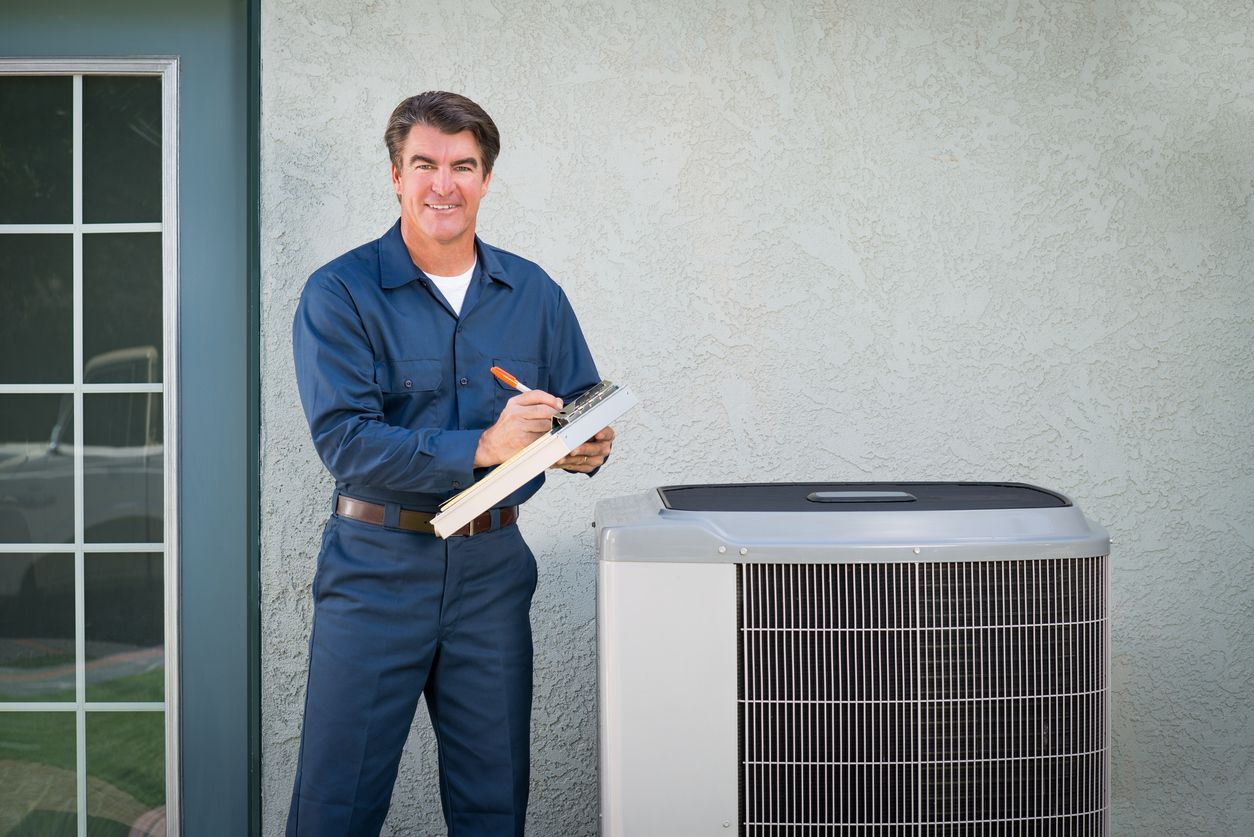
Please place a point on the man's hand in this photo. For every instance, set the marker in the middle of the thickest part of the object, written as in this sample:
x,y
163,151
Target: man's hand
x,y
590,455
526,417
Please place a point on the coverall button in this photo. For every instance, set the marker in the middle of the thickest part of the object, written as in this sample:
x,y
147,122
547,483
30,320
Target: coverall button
x,y
464,381
409,383
457,483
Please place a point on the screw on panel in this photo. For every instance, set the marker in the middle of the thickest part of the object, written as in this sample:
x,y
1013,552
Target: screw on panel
x,y
744,551
721,550
917,550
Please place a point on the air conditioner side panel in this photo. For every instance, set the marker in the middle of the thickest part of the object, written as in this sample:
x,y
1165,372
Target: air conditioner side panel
x,y
667,678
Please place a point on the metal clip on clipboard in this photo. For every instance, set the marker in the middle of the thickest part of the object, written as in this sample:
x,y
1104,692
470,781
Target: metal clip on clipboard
x,y
583,404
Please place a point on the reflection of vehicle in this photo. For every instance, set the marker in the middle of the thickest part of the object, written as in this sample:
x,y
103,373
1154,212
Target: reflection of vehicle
x,y
123,493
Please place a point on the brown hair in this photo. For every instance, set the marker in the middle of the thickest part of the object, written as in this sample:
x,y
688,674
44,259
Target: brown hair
x,y
447,112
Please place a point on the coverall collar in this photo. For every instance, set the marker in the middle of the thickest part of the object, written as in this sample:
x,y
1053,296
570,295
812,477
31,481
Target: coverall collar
x,y
396,268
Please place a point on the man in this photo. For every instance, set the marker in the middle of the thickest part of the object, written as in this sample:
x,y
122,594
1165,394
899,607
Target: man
x,y
393,344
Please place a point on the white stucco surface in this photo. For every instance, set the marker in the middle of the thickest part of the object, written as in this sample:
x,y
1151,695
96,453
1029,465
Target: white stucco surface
x,y
847,240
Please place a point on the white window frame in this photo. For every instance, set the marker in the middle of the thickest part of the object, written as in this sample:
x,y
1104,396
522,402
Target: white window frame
x,y
167,68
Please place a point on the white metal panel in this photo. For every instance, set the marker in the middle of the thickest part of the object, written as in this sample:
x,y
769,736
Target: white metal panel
x,y
668,687
641,528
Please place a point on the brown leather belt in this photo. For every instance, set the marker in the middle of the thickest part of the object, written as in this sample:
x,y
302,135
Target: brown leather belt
x,y
416,521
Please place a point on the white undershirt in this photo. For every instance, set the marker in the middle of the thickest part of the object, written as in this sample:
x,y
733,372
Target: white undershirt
x,y
454,287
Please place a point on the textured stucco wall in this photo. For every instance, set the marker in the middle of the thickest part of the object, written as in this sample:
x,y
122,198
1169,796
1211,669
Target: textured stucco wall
x,y
931,240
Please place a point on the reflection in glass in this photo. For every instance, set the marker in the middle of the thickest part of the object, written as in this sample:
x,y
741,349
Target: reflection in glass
x,y
121,149
124,601
37,311
126,773
36,469
37,784
122,308
36,149
36,627
123,492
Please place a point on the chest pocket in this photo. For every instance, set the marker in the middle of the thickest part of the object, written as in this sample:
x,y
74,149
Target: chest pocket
x,y
529,373
401,377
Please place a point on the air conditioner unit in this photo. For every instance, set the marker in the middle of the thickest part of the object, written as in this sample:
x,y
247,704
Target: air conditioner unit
x,y
852,659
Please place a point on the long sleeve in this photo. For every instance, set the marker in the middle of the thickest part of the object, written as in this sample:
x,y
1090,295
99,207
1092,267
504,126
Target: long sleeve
x,y
571,368
343,402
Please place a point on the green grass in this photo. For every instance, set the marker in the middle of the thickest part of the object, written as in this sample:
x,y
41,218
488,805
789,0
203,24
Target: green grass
x,y
125,749
44,661
62,824
38,737
66,696
148,686
99,827
46,824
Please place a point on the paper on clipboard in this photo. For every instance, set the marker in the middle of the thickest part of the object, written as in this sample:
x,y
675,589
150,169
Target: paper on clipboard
x,y
578,422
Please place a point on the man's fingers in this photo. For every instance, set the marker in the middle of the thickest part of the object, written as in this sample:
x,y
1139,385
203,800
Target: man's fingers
x,y
583,458
537,397
536,412
598,445
601,449
590,455
536,426
580,464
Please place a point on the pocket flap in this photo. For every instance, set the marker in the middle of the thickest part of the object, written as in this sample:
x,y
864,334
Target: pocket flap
x,y
525,371
400,376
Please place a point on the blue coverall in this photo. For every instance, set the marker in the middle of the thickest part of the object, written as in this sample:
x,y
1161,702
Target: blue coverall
x,y
397,390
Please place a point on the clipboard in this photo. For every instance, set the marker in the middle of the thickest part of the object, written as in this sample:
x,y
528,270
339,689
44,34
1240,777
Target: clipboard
x,y
577,422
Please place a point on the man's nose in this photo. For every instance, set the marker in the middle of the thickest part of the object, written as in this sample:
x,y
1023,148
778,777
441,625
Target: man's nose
x,y
442,181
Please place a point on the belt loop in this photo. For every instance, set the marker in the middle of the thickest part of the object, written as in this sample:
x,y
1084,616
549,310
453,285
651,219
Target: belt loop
x,y
392,515
335,500
495,517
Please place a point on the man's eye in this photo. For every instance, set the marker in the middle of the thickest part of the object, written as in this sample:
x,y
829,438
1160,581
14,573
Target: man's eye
x,y
464,168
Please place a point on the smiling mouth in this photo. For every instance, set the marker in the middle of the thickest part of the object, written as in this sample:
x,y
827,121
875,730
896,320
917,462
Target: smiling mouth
x,y
442,206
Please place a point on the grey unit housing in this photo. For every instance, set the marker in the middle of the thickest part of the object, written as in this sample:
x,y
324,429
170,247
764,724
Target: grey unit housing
x,y
906,658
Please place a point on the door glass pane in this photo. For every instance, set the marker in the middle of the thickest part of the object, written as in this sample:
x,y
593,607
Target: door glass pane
x,y
82,631
121,149
36,469
36,627
126,773
124,627
37,308
37,783
36,150
123,489
122,308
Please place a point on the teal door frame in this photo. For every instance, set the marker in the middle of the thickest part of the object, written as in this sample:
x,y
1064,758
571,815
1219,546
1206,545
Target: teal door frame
x,y
217,44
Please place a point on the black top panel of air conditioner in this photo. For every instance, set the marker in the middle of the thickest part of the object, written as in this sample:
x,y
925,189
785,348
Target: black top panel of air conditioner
x,y
858,496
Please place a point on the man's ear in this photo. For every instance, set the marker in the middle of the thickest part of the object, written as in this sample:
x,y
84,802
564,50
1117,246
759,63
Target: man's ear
x,y
396,180
487,178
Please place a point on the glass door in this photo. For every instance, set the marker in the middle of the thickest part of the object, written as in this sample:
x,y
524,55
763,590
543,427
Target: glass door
x,y
87,543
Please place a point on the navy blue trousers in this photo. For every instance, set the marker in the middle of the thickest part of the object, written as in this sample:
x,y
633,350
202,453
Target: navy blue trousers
x,y
400,614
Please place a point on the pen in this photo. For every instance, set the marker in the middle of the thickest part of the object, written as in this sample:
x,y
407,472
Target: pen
x,y
509,380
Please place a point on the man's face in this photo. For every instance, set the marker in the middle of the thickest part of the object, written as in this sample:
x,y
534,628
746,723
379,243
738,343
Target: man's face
x,y
440,181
